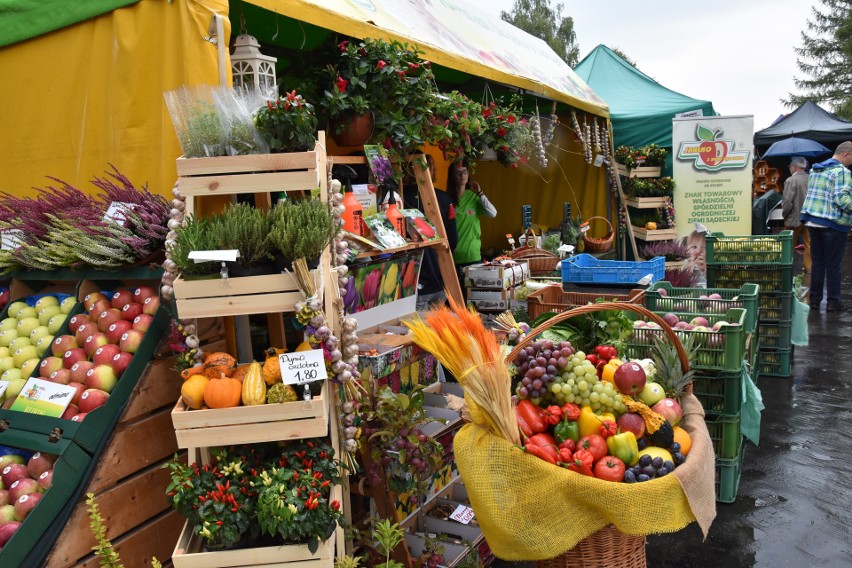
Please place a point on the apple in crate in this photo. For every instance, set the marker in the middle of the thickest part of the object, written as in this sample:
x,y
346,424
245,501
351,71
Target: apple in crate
x,y
131,340
7,529
7,363
60,376
7,513
24,354
9,459
39,463
142,322
22,487
118,329
151,305
12,473
79,371
100,306
108,317
49,365
43,345
54,324
90,299
46,313
142,293
26,503
121,298
68,304
4,497
130,311
76,321
105,353
46,301
93,342
45,480
75,400
120,362
101,377
91,399
79,417
38,333
85,331
70,412
26,325
8,336
73,356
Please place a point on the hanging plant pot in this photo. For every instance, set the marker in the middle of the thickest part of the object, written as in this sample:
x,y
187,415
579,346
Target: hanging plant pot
x,y
353,131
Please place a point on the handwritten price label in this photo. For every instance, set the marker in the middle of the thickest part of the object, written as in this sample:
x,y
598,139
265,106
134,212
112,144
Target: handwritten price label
x,y
462,514
302,367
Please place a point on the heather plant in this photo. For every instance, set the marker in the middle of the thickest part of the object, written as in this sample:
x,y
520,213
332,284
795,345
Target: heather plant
x,y
242,227
302,228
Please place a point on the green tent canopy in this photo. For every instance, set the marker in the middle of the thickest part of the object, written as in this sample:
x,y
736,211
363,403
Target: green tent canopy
x,y
641,109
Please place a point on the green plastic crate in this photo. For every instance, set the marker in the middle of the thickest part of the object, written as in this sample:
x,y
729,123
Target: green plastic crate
x,y
751,249
728,473
725,432
775,335
719,351
663,297
774,362
770,278
719,392
776,307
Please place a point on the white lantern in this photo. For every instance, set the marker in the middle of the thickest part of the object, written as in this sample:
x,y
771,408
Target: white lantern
x,y
250,68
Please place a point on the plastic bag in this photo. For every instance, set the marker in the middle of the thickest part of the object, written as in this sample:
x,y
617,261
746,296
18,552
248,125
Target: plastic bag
x,y
236,110
196,121
752,406
799,333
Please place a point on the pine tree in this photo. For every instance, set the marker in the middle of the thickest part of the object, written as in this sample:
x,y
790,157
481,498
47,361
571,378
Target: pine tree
x,y
825,58
537,18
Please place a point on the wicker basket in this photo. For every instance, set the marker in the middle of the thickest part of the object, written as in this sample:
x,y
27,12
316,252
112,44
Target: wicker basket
x,y
595,244
541,262
554,299
608,547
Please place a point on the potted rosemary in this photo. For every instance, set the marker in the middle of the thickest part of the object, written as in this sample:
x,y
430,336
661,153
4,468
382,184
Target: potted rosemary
x,y
301,228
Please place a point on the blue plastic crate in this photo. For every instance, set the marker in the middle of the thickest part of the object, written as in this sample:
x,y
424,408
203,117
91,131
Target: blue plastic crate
x,y
585,268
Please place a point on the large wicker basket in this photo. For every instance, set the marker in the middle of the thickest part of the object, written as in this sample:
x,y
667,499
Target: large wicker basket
x,y
595,244
608,547
541,262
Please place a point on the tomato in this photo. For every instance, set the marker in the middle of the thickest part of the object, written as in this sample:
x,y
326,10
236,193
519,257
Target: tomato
x,y
610,469
594,444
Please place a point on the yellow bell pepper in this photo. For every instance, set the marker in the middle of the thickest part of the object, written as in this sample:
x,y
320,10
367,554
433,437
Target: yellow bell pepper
x,y
590,423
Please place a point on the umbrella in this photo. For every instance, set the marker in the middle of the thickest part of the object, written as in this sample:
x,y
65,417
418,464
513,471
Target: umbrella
x,y
796,147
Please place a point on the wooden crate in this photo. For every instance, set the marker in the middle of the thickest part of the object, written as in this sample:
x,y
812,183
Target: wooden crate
x,y
642,172
269,293
188,554
251,424
654,235
647,202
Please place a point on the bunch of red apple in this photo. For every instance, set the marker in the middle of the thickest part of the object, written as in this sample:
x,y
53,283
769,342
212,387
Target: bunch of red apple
x,y
22,484
104,340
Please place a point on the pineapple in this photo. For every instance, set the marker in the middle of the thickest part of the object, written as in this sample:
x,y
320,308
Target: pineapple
x,y
670,375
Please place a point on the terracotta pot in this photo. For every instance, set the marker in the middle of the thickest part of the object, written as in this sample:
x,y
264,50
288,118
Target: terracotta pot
x,y
354,131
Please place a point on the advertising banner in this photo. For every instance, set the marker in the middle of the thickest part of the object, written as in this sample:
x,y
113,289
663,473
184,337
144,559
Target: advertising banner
x,y
712,173
376,282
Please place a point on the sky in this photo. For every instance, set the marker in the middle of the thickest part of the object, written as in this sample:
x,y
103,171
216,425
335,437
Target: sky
x,y
738,54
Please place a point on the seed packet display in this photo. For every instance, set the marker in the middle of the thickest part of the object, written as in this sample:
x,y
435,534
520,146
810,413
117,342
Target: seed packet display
x,y
418,227
383,231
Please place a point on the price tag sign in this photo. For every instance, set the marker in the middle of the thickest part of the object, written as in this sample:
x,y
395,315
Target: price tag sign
x,y
599,160
3,386
302,367
584,227
462,514
115,211
526,216
11,239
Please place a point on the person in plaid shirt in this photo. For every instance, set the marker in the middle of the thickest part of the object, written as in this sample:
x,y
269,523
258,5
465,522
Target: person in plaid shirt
x,y
827,213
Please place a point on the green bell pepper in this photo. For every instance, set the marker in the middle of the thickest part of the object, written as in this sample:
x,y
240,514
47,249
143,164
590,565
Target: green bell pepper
x,y
624,447
566,430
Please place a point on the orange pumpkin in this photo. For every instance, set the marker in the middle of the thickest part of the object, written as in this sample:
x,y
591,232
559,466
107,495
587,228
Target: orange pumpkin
x,y
222,393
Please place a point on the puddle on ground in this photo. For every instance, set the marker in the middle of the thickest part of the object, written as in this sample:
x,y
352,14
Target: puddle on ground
x,y
767,500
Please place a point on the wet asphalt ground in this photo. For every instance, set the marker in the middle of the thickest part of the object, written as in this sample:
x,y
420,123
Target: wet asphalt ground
x,y
794,504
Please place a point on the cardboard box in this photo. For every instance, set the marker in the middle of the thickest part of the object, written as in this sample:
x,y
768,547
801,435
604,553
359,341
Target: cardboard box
x,y
498,275
398,362
490,300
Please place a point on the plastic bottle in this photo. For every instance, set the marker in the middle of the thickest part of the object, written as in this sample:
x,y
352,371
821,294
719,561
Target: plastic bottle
x,y
394,216
353,217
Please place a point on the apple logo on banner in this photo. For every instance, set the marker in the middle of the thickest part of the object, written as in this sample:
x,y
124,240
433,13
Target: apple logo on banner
x,y
712,152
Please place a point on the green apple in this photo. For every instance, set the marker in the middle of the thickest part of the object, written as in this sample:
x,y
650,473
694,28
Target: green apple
x,y
29,366
43,344
6,363
27,312
24,354
55,323
26,325
6,337
19,342
4,352
16,385
16,307
46,313
38,333
68,304
11,375
45,301
652,393
8,323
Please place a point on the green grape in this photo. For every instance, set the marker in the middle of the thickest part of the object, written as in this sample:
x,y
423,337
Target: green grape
x,y
595,397
556,388
595,405
580,355
569,397
598,388
586,402
583,385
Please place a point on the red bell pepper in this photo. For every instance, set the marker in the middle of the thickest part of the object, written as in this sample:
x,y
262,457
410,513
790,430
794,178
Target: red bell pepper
x,y
581,462
553,415
608,428
541,453
568,444
570,411
543,439
523,426
532,415
565,456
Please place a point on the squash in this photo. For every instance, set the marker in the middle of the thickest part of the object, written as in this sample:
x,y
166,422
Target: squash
x,y
271,367
254,387
240,372
279,392
215,365
192,391
222,393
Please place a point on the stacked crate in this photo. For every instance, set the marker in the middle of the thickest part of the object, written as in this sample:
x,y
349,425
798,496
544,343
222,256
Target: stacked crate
x,y
718,364
766,260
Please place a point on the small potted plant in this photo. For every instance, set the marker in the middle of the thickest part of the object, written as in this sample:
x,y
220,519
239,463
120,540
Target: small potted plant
x,y
458,127
302,228
288,124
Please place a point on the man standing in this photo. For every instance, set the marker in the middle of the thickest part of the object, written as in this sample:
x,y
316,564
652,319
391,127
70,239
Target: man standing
x,y
827,213
795,190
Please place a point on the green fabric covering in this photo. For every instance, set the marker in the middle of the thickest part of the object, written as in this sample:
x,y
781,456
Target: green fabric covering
x,y
26,19
752,407
641,109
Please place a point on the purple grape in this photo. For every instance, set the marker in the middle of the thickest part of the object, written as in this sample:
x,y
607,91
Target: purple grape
x,y
537,384
551,369
526,381
523,392
541,361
